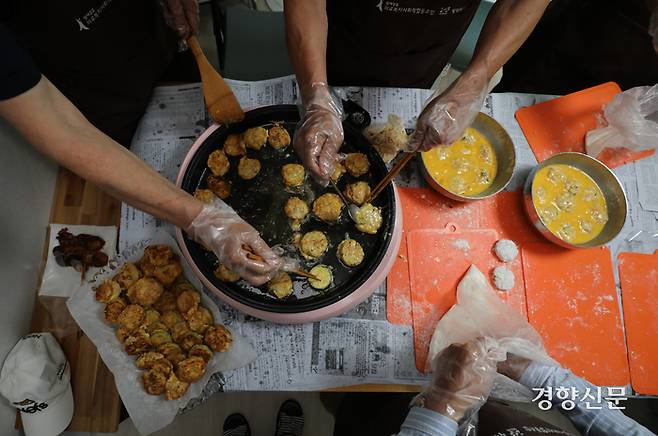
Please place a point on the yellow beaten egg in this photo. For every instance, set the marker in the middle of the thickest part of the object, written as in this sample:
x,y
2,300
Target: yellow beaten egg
x,y
570,203
466,167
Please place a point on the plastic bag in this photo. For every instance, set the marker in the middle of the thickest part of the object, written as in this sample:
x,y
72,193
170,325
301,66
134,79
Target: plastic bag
x,y
479,313
631,123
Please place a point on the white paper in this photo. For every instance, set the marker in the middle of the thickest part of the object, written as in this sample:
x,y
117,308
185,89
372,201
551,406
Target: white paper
x,y
149,413
62,281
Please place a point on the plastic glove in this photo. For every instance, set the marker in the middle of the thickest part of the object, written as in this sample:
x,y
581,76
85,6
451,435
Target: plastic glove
x,y
445,118
235,243
514,366
319,134
182,16
463,377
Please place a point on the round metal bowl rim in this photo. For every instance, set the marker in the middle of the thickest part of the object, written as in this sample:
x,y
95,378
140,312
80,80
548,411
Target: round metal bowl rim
x,y
530,204
437,186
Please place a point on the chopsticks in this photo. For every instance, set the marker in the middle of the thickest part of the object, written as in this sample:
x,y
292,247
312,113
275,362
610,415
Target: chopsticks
x,y
391,174
253,256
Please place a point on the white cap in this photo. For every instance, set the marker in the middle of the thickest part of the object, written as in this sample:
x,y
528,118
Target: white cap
x,y
35,379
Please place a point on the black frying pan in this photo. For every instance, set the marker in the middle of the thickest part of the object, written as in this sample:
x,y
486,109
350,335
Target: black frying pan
x,y
260,202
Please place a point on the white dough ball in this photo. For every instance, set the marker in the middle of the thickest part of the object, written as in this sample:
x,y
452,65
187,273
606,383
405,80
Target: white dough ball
x,y
506,250
503,278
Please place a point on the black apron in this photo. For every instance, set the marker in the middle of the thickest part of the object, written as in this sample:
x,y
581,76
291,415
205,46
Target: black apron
x,y
403,43
104,55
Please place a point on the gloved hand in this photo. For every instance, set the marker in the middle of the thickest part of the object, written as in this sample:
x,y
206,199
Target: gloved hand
x,y
463,377
182,16
446,117
235,243
514,366
319,134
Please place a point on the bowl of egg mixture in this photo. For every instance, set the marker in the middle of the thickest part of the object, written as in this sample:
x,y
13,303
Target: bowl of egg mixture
x,y
575,201
475,167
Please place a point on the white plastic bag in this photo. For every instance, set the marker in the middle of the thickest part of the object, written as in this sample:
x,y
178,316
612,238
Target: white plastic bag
x,y
479,313
631,122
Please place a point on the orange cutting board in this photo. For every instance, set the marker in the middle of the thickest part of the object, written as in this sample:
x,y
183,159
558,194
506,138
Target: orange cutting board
x,y
572,303
438,261
422,208
426,209
560,124
638,275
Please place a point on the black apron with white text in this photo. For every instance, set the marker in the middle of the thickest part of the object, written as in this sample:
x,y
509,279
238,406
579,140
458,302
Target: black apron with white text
x,y
403,43
104,55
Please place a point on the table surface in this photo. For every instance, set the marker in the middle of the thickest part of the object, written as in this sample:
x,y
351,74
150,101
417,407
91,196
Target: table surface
x,y
97,402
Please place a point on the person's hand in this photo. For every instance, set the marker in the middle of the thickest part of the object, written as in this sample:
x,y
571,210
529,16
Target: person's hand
x,y
514,366
319,134
182,16
235,243
462,379
446,117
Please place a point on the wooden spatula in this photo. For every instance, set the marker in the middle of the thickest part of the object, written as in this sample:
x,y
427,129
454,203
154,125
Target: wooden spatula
x,y
220,100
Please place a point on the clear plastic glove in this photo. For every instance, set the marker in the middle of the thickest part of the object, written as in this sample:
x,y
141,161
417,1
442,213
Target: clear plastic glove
x,y
319,134
514,366
182,16
445,118
463,377
236,244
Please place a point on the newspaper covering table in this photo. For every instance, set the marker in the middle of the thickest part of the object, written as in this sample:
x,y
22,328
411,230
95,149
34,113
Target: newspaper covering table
x,y
360,346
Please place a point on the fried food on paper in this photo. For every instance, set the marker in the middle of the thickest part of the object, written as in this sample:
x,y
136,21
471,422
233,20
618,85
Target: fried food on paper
x,y
166,302
202,351
151,316
138,342
145,291
218,338
170,318
154,382
172,352
191,369
199,319
187,300
131,317
113,309
122,334
168,274
127,275
175,388
189,340
159,337
107,291
179,331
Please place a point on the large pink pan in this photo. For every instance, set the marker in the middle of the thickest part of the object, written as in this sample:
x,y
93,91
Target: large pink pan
x,y
336,308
